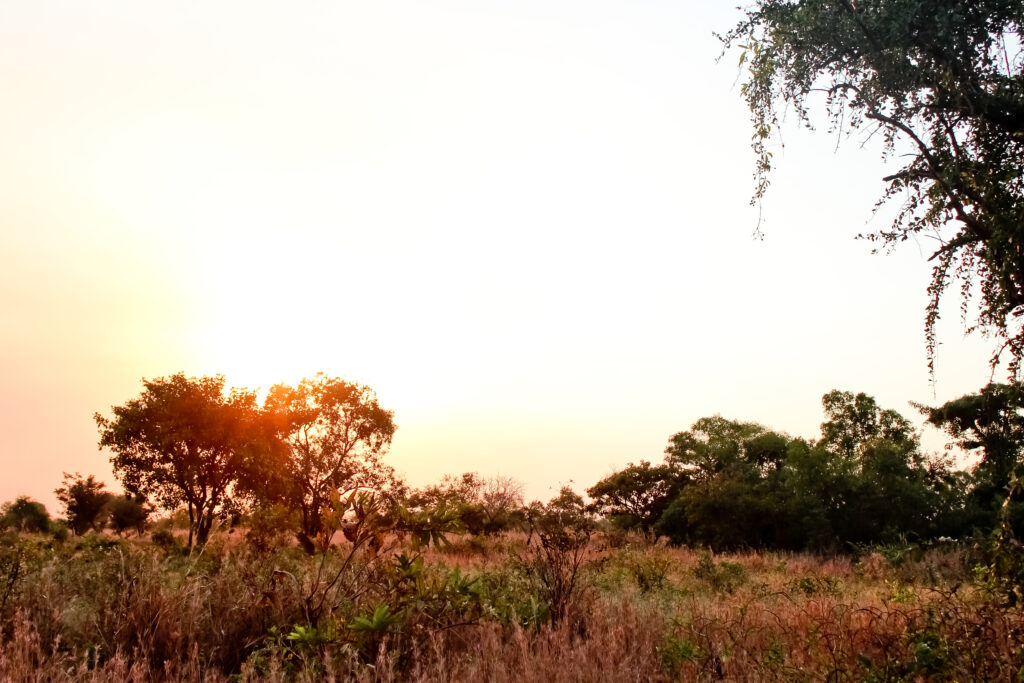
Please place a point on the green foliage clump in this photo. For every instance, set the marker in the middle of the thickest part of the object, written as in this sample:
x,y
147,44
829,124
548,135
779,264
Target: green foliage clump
x,y
721,577
938,80
637,496
646,569
674,652
85,502
481,505
25,514
128,512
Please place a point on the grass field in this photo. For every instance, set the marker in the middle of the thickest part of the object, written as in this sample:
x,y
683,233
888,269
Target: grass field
x,y
503,608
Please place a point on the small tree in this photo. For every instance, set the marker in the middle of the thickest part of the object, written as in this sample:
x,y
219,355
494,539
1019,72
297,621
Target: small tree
x,y
564,530
128,512
637,495
335,434
502,502
485,505
184,441
84,502
25,514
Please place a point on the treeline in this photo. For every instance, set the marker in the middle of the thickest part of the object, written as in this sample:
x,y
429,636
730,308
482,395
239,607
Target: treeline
x,y
729,484
88,506
309,462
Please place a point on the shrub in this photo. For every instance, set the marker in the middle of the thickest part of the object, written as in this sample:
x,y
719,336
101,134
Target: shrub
x,y
723,577
557,563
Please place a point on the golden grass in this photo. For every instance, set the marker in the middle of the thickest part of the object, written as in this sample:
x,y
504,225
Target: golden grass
x,y
128,611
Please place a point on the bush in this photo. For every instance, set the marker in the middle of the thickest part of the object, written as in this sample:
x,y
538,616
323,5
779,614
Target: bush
x,y
270,527
723,577
164,538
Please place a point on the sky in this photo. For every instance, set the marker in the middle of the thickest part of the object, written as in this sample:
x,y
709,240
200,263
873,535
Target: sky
x,y
525,224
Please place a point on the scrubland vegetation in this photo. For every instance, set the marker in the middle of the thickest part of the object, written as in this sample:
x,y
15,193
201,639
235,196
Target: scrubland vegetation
x,y
565,605
274,543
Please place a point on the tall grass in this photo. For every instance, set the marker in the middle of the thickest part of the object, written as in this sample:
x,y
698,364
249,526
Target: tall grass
x,y
102,609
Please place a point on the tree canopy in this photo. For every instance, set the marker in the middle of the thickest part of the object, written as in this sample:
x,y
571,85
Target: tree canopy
x,y
637,495
939,79
335,434
84,500
992,421
185,441
25,514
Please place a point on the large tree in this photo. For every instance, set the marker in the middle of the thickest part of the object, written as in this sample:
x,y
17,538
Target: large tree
x,y
854,420
335,433
185,441
991,421
941,82
715,444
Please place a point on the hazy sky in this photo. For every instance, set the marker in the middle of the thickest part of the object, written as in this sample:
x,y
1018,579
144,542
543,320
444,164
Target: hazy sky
x,y
525,224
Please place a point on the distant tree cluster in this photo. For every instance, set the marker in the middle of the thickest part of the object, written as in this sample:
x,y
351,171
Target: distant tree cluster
x,y
481,505
729,484
88,506
309,462
186,442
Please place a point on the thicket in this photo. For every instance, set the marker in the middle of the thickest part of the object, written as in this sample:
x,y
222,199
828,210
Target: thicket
x,y
727,484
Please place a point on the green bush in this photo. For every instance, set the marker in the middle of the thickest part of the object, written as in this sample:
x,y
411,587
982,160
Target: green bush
x,y
723,577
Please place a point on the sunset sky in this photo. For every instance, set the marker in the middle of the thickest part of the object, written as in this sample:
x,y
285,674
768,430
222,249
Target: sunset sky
x,y
524,224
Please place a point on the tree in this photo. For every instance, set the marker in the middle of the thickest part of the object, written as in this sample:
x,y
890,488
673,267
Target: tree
x,y
940,77
501,501
853,420
991,421
715,444
128,512
184,441
25,514
84,502
335,434
568,503
864,481
638,494
881,478
484,505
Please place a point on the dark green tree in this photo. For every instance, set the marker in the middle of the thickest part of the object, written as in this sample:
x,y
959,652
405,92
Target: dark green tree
x,y
84,501
185,441
853,420
990,421
731,498
128,512
637,495
713,445
940,81
25,514
864,481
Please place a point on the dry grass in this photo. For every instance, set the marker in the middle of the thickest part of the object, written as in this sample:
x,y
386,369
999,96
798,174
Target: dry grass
x,y
130,611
